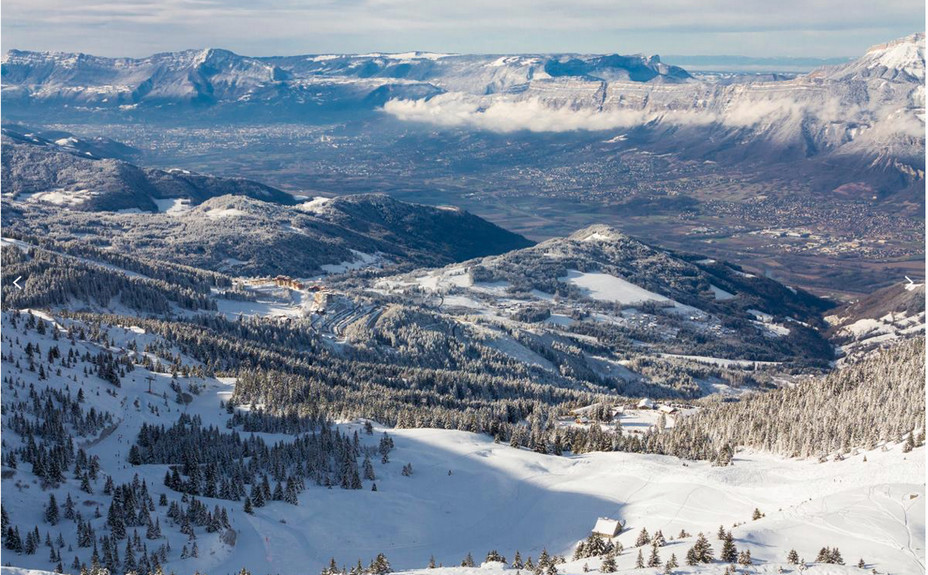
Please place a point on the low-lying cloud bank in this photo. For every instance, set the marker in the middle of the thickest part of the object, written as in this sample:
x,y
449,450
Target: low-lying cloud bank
x,y
779,117
462,110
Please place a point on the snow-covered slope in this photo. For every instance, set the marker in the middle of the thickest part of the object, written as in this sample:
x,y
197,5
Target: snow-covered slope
x,y
600,281
879,319
466,494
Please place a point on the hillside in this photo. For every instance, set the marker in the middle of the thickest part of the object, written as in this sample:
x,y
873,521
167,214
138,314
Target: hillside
x,y
222,224
505,494
881,318
611,297
69,174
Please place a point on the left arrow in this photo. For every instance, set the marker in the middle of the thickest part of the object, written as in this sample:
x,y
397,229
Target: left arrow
x,y
16,284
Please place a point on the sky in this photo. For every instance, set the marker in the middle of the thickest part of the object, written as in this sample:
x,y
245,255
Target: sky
x,y
761,28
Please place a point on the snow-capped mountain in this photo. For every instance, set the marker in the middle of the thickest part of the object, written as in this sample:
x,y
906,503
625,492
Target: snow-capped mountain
x,y
872,107
194,76
219,76
901,59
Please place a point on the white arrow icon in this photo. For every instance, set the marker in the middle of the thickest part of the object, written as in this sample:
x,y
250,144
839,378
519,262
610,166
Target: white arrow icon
x,y
16,284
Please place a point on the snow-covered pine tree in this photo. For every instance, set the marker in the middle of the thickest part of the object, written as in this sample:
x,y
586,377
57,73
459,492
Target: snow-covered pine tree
x,y
729,552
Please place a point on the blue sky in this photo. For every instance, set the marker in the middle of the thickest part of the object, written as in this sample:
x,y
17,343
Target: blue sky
x,y
820,28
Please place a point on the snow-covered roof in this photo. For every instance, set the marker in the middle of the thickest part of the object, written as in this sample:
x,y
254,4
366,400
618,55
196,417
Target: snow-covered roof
x,y
646,403
584,409
608,527
667,408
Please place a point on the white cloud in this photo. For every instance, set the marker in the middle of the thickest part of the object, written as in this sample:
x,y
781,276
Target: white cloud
x,y
780,112
503,115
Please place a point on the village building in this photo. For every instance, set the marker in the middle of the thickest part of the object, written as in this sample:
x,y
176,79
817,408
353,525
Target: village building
x,y
646,404
287,282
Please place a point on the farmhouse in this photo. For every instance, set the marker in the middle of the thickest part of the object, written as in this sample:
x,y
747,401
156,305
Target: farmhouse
x,y
607,527
646,404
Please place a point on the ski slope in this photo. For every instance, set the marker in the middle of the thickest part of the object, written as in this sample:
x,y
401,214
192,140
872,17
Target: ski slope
x,y
468,494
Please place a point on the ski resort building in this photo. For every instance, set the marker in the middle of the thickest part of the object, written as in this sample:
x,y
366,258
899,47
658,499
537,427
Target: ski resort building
x,y
288,282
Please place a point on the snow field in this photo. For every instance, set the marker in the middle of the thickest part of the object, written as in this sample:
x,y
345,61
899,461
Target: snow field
x,y
497,497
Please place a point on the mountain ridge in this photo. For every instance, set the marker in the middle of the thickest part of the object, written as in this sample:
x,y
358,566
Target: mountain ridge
x,y
868,113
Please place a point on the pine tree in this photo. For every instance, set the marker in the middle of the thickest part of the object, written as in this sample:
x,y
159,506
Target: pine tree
x,y
643,538
729,552
757,514
368,468
51,510
792,557
257,496
468,561
639,562
544,559
861,564
380,565
608,564
700,552
655,559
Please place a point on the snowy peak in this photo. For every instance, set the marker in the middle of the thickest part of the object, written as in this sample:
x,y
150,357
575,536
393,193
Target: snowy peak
x,y
901,60
598,233
905,55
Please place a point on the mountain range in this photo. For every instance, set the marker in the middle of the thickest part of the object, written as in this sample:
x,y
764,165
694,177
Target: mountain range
x,y
871,107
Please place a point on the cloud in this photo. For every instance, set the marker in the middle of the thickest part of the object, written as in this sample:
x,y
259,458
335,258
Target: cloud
x,y
532,114
781,113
